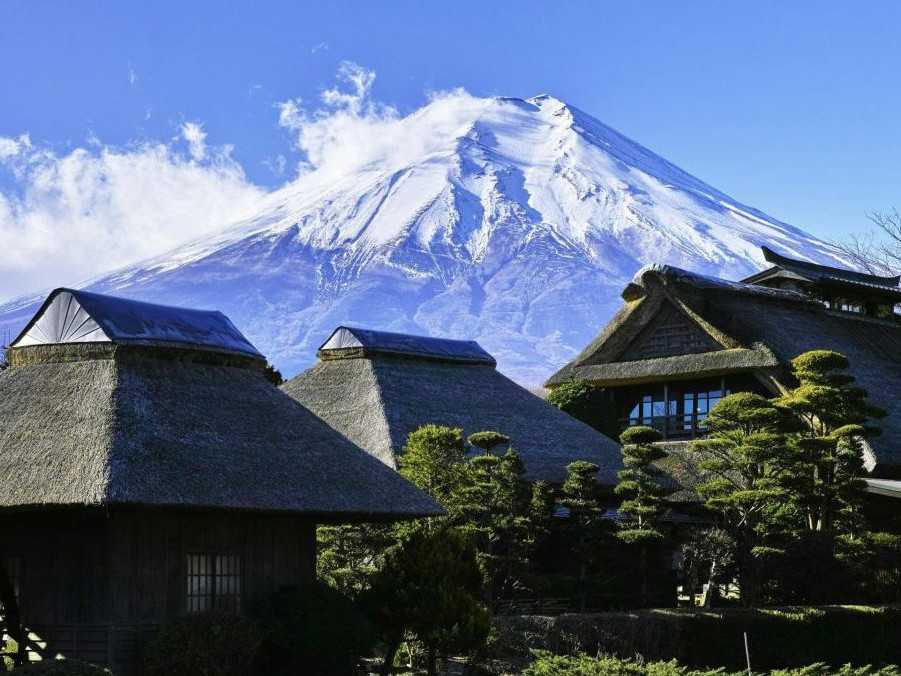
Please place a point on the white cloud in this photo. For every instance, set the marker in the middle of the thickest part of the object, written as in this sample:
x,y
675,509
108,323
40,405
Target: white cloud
x,y
351,130
193,133
77,214
321,47
11,147
132,76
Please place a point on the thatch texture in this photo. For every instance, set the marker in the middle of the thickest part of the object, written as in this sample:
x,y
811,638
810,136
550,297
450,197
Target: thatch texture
x,y
378,400
769,326
176,428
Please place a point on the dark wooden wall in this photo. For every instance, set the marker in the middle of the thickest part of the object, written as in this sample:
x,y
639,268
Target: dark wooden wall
x,y
94,583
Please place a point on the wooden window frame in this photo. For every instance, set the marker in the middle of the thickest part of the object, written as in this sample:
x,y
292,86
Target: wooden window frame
x,y
219,581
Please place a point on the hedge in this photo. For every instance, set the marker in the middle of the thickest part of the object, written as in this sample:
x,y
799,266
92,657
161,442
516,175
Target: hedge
x,y
581,665
778,637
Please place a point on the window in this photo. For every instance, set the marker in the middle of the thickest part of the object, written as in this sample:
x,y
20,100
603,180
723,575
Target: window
x,y
214,581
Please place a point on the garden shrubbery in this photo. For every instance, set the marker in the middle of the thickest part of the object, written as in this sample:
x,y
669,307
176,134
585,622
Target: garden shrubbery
x,y
61,668
546,664
312,629
779,638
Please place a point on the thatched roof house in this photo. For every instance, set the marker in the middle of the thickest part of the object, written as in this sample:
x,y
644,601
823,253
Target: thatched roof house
x,y
149,468
377,387
683,340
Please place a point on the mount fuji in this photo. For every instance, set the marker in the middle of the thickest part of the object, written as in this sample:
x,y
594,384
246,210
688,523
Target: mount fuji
x,y
513,222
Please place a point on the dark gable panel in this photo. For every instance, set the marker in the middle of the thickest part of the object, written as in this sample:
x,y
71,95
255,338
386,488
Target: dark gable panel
x,y
668,334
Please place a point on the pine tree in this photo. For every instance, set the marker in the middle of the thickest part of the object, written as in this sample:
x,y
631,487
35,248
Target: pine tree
x,y
642,494
349,555
583,401
434,461
430,585
829,456
488,440
744,455
580,496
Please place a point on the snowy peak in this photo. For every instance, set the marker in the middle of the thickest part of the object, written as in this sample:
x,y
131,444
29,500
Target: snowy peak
x,y
514,222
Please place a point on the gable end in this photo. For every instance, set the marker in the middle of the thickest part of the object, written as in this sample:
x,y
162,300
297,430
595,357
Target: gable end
x,y
668,334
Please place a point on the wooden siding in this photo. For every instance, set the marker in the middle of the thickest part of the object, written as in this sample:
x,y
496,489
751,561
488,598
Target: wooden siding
x,y
94,583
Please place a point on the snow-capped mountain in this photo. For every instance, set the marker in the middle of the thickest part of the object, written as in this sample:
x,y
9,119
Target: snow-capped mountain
x,y
513,222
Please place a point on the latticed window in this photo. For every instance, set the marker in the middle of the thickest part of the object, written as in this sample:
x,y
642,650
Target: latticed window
x,y
214,581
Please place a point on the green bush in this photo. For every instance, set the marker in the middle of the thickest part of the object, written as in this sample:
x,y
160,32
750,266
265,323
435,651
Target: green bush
x,y
213,644
779,638
312,629
546,664
61,668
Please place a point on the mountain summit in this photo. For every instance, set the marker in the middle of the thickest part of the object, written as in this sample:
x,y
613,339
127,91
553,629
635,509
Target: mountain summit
x,y
513,222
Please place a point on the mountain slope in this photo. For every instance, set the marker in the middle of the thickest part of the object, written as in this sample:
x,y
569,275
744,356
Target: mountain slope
x,y
512,222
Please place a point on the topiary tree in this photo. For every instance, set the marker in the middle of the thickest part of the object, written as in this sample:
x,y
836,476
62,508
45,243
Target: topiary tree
x,y
433,460
312,629
488,440
642,494
583,401
707,557
745,456
430,586
825,478
348,555
580,496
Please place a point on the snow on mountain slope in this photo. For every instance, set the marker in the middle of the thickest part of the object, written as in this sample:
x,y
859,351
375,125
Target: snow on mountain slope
x,y
513,222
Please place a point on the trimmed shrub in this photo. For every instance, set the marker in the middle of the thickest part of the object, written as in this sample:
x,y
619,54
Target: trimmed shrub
x,y
779,637
214,643
547,664
312,629
61,668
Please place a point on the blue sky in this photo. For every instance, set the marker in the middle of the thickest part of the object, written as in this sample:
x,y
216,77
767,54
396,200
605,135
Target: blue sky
x,y
789,107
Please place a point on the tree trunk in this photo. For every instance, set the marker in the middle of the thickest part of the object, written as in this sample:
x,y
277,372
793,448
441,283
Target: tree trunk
x,y
712,589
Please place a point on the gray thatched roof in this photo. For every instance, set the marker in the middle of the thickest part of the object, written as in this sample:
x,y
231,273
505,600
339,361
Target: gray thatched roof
x,y
107,424
70,316
759,330
377,400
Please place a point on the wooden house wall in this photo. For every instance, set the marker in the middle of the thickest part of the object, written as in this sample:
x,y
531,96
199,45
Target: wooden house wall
x,y
95,583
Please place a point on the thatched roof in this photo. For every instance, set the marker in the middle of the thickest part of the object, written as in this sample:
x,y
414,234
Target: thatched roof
x,y
109,423
378,399
71,316
756,329
805,271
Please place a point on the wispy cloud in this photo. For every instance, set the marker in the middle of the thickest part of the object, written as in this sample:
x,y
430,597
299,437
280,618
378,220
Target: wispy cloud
x,y
76,214
132,76
321,47
193,133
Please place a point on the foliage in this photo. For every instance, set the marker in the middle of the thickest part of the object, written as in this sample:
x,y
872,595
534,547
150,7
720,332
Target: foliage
x,y
213,643
548,664
496,507
779,637
583,401
488,440
639,485
580,496
430,585
349,555
51,667
825,483
273,375
744,457
310,629
433,460
708,557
